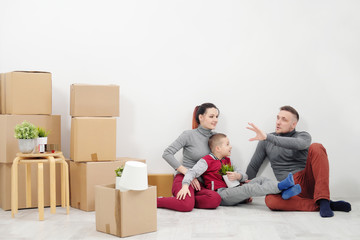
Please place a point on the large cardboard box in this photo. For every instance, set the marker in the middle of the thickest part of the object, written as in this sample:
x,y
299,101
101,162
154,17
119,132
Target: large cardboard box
x,y
26,93
5,185
9,144
163,183
93,139
84,177
125,213
94,100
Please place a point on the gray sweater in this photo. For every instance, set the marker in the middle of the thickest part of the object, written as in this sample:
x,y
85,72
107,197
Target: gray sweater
x,y
286,153
194,144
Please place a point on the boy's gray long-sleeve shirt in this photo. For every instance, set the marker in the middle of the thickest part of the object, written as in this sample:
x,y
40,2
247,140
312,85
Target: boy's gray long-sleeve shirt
x,y
286,153
194,144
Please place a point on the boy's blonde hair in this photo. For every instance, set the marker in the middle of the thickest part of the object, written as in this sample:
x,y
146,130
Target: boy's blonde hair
x,y
215,140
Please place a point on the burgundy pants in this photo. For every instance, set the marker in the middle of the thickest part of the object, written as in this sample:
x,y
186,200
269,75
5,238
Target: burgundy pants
x,y
314,182
204,198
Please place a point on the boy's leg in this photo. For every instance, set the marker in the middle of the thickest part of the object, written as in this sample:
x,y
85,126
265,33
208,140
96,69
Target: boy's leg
x,y
185,205
207,199
259,186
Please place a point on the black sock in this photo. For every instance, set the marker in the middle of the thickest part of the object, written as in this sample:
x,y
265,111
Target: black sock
x,y
340,206
325,210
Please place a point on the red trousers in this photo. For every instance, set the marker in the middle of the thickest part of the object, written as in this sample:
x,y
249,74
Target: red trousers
x,y
314,182
204,198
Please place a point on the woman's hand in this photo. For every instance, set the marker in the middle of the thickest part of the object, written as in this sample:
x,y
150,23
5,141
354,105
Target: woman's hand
x,y
233,176
195,184
260,135
182,169
183,192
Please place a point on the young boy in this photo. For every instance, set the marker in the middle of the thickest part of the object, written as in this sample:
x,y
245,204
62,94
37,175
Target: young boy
x,y
208,167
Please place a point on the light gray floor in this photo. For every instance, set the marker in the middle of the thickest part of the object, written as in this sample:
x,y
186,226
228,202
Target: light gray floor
x,y
246,221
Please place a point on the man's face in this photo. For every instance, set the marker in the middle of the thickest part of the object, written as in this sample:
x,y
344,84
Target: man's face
x,y
286,122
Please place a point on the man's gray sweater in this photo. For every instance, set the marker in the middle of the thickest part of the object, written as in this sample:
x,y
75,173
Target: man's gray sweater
x,y
286,153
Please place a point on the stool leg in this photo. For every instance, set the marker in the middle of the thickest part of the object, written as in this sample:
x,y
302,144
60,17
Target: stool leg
x,y
67,194
14,187
52,185
41,190
28,185
63,197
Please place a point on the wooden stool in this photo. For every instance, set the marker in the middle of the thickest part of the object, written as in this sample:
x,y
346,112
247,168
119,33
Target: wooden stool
x,y
40,158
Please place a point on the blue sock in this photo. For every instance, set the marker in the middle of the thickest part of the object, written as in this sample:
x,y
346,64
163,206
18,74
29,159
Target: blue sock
x,y
290,192
286,183
340,206
325,210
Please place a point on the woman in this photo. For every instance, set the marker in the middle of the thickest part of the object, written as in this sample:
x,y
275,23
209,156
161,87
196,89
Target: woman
x,y
195,146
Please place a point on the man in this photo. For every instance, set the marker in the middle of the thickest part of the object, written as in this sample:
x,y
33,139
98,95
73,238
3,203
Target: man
x,y
291,151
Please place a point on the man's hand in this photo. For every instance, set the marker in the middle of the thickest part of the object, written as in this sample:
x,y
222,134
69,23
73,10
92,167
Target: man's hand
x,y
195,184
183,192
233,176
260,135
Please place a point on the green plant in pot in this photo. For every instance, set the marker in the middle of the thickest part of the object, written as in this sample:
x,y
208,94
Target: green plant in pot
x,y
26,133
42,139
223,170
118,173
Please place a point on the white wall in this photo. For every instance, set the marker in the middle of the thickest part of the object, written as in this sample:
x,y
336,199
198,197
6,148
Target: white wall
x,y
247,57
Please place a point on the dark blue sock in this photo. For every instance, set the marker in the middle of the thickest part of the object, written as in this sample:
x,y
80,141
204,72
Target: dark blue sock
x,y
286,183
340,206
290,192
325,210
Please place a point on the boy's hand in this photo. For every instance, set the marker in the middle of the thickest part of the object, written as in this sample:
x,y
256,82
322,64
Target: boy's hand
x,y
233,176
195,184
183,191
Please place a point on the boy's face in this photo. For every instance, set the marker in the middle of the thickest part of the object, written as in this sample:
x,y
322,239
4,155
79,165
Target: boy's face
x,y
225,148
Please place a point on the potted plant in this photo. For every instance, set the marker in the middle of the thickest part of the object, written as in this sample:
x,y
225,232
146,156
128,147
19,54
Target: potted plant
x,y
42,139
223,170
118,173
26,133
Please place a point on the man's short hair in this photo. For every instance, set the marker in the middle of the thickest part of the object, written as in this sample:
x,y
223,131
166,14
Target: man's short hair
x,y
215,140
292,110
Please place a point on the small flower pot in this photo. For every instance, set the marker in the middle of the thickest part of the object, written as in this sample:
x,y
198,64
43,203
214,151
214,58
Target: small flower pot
x,y
229,183
27,145
117,185
41,142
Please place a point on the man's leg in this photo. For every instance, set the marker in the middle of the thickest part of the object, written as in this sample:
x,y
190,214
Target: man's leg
x,y
185,205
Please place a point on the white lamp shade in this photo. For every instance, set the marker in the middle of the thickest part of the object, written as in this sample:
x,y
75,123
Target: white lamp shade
x,y
134,176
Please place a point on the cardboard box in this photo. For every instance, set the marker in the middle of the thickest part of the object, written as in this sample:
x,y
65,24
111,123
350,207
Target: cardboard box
x,y
26,93
9,144
84,177
5,185
93,139
125,213
94,100
163,183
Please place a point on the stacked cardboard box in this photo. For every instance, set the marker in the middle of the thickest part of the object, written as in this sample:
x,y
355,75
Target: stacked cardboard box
x,y
94,109
25,96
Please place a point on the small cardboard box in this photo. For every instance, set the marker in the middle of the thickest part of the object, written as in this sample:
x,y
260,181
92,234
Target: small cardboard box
x,y
9,144
84,177
93,139
26,93
5,185
94,100
163,183
125,213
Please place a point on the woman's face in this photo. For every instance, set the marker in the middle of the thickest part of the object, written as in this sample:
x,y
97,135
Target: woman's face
x,y
209,119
